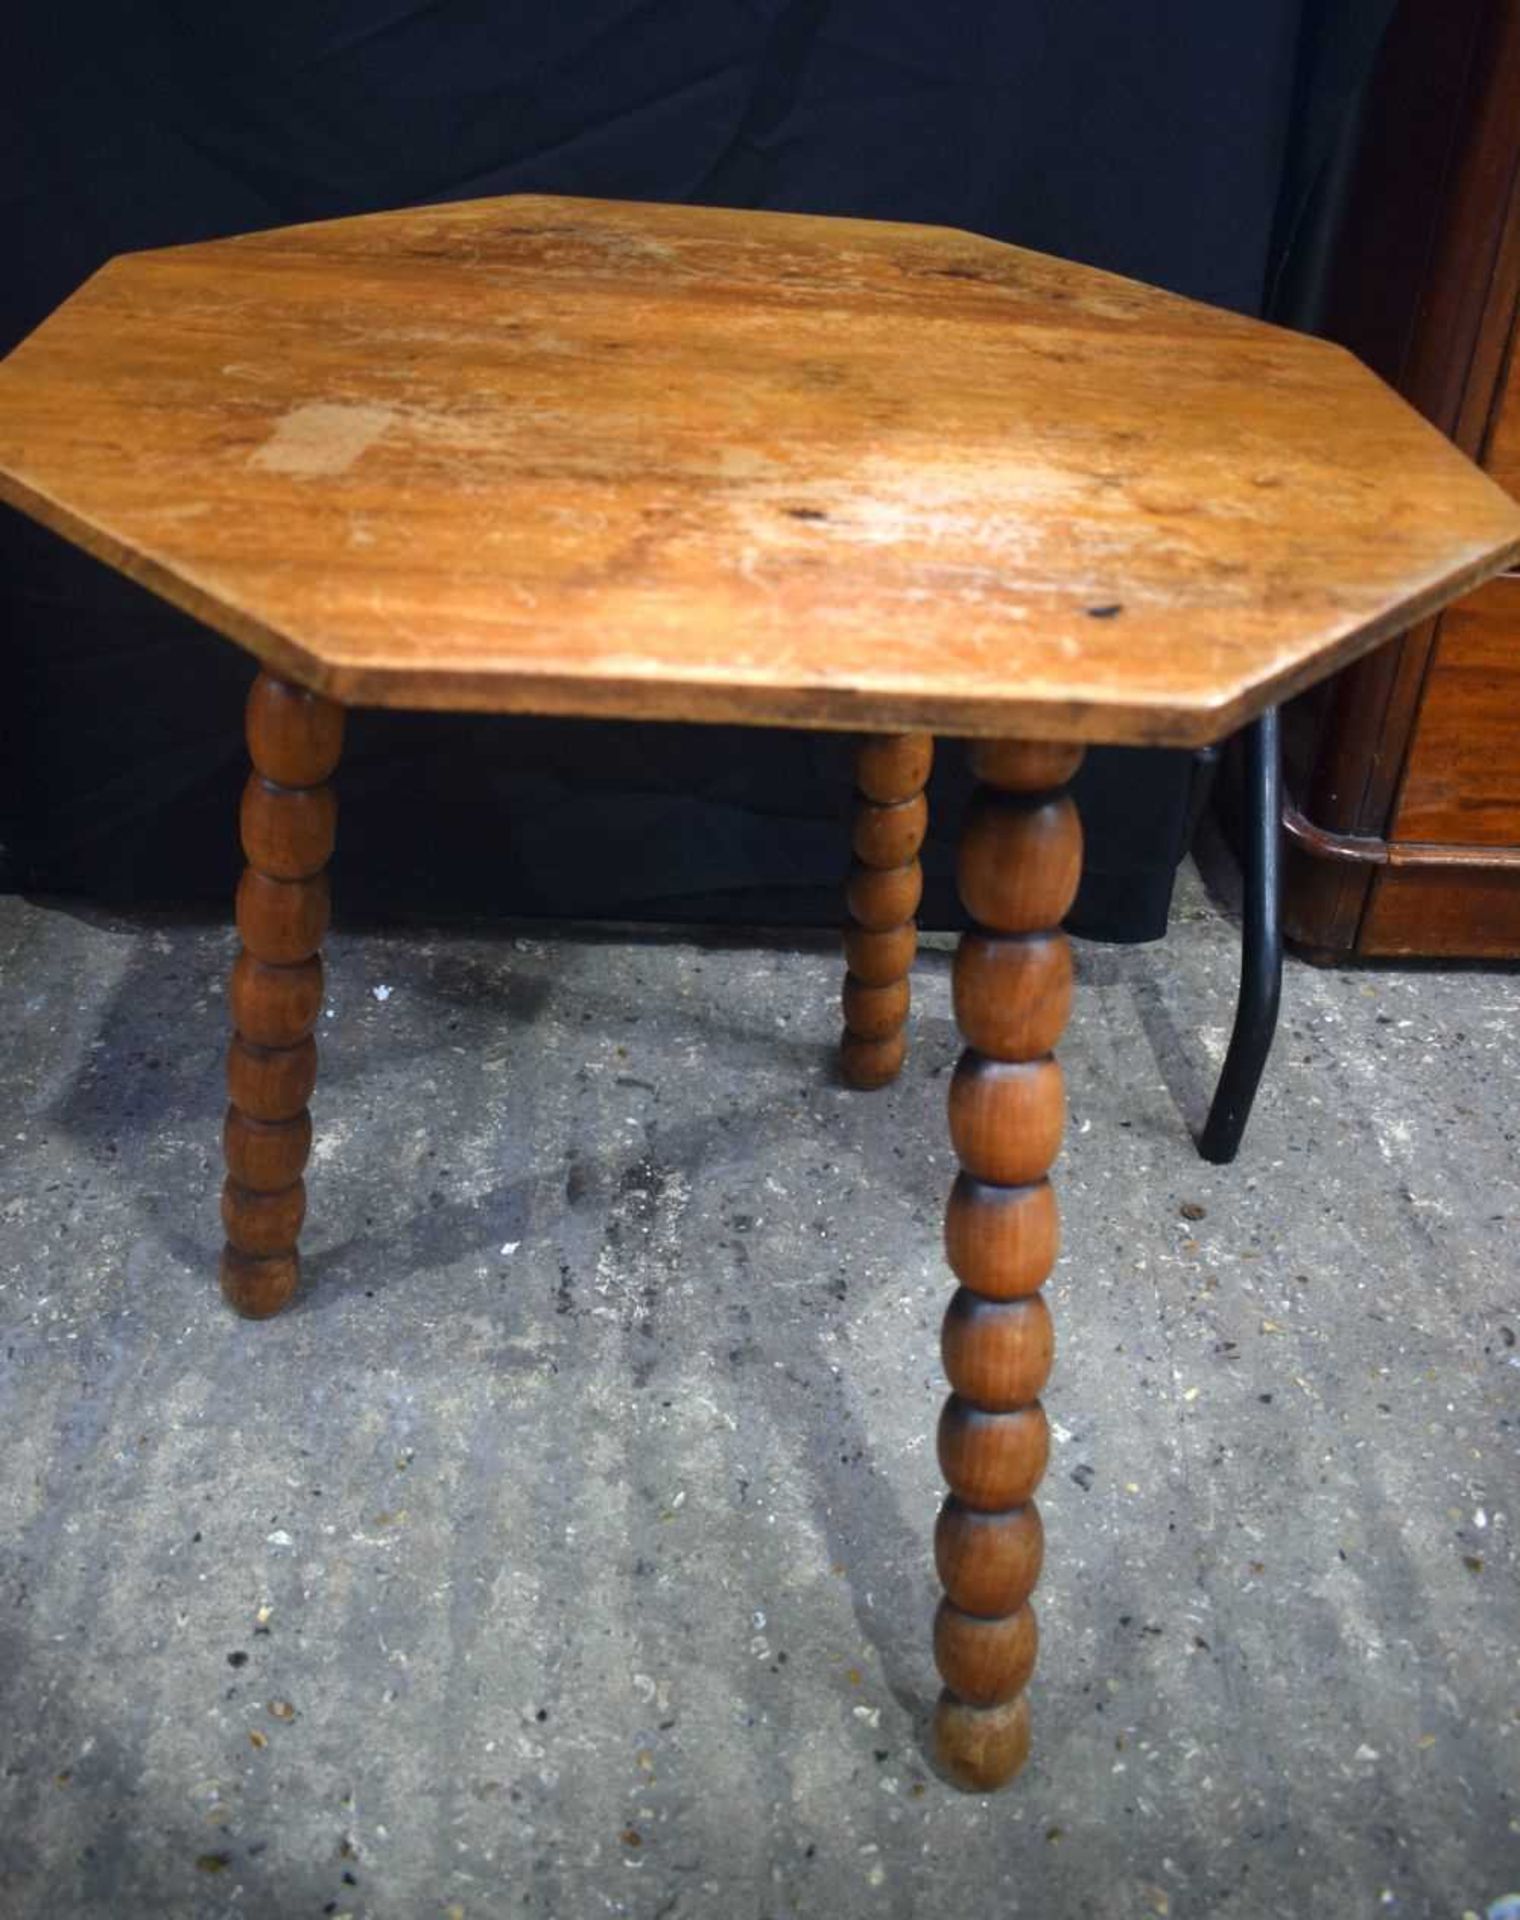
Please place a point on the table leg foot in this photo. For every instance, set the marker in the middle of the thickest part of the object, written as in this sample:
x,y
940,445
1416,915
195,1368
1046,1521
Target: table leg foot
x,y
1019,863
289,816
882,896
980,1749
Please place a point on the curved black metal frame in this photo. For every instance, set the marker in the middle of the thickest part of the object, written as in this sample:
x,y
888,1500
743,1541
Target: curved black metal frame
x,y
1261,957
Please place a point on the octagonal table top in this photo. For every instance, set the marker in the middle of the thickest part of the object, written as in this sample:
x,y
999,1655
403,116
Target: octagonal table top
x,y
582,457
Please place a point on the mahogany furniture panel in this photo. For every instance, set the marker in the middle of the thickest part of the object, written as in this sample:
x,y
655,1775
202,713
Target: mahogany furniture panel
x,y
1462,777
567,456
1403,837
1414,912
1502,455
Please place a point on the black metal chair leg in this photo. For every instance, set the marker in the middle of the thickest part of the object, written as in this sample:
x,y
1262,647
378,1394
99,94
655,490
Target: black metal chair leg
x,y
1261,946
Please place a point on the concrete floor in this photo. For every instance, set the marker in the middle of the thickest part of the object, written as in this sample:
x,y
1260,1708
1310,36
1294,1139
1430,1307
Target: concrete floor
x,y
564,1551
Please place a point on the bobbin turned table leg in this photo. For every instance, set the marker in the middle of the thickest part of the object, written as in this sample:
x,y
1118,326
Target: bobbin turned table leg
x,y
882,896
1019,862
288,818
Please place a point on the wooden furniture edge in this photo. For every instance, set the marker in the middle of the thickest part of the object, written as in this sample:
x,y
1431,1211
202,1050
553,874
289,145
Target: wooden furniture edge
x,y
1160,721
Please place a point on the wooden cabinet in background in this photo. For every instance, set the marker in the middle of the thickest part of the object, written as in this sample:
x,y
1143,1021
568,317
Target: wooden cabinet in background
x,y
1403,774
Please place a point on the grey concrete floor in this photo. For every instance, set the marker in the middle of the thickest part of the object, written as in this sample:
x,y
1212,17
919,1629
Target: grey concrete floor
x,y
564,1550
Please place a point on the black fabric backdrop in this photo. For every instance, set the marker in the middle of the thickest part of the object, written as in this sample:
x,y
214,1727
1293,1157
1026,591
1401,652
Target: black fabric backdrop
x,y
1182,141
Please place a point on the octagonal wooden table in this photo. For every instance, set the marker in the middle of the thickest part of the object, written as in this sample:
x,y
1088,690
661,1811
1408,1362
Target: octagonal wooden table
x,y
539,455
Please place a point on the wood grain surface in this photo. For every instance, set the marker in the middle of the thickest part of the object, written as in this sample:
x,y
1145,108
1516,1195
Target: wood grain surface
x,y
567,456
1462,779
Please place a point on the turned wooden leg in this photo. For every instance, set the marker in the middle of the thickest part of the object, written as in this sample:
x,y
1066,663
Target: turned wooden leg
x,y
288,818
882,896
1019,862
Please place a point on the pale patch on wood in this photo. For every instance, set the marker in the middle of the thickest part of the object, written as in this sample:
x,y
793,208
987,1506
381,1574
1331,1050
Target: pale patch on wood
x,y
324,437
